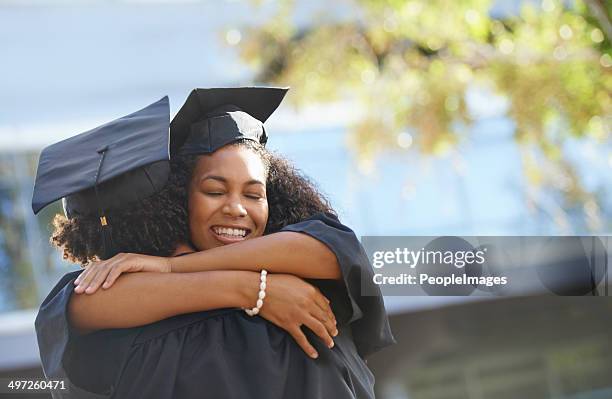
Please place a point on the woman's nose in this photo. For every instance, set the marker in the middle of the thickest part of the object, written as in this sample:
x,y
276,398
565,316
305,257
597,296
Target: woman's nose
x,y
235,209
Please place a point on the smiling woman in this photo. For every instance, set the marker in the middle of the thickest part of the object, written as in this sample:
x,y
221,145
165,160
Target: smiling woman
x,y
155,334
227,197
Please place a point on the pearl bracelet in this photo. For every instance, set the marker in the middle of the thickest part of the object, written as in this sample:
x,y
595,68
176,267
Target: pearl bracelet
x,y
260,296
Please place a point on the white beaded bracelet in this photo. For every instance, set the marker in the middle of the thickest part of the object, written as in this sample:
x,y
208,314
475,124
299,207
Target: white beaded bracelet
x,y
260,296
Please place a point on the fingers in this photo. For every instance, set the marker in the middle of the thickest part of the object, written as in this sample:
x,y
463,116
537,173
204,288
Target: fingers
x,y
323,317
324,304
100,277
81,276
100,272
112,276
90,280
85,279
302,341
319,328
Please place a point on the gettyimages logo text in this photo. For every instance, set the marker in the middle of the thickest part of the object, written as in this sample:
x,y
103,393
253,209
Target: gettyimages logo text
x,y
488,266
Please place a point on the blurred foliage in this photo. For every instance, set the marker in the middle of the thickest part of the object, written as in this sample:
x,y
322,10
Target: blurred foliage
x,y
407,66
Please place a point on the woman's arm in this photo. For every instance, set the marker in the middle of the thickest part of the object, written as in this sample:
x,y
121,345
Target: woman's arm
x,y
143,298
283,252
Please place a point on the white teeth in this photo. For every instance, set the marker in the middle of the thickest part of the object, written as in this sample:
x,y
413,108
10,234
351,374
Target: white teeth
x,y
230,231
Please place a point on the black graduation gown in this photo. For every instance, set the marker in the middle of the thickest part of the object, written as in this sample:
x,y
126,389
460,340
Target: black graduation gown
x,y
223,353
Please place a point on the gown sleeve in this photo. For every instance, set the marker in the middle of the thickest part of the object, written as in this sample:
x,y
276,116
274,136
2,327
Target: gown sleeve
x,y
52,327
368,317
91,363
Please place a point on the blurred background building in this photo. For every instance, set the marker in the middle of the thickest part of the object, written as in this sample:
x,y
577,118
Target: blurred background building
x,y
477,117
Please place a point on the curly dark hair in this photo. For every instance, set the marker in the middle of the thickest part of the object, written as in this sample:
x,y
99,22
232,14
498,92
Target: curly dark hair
x,y
292,197
156,225
152,226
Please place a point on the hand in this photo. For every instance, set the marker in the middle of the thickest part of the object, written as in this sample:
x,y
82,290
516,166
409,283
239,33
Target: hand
x,y
106,272
291,302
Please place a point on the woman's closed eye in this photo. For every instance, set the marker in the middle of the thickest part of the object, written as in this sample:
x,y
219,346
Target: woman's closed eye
x,y
248,195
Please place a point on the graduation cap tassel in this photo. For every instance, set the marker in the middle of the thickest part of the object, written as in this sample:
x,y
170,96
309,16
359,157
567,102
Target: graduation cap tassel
x,y
107,237
107,231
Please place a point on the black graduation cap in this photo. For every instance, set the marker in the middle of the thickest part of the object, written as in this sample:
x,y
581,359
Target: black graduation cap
x,y
212,118
115,164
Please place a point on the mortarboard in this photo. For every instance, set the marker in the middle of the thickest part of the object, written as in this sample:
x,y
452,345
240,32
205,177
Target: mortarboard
x,y
212,118
115,164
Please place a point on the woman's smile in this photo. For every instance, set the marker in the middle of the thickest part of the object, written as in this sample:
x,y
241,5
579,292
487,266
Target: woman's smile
x,y
229,234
